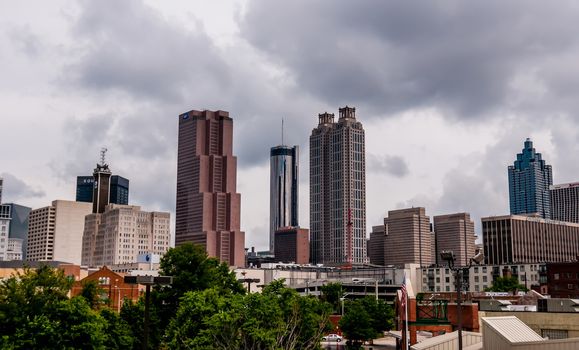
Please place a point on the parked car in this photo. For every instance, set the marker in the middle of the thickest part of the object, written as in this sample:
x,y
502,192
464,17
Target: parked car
x,y
332,337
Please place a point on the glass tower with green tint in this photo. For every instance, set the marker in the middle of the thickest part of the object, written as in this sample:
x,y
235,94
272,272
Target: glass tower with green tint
x,y
529,181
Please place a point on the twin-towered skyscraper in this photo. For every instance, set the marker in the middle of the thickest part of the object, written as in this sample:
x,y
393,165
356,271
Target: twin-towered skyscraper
x,y
338,190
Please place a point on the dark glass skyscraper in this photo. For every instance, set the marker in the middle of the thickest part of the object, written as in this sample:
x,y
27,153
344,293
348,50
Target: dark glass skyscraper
x,y
529,181
283,189
119,191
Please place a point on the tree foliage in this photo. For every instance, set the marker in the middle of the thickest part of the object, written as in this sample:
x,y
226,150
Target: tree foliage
x,y
366,319
506,284
278,318
36,313
332,293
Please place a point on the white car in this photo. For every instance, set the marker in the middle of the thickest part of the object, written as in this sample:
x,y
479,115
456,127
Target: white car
x,y
332,337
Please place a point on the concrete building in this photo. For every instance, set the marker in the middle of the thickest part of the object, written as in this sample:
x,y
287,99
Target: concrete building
x,y
529,181
283,190
5,218
455,232
208,206
338,190
118,194
521,239
563,279
292,244
477,278
408,238
376,245
123,232
55,232
565,202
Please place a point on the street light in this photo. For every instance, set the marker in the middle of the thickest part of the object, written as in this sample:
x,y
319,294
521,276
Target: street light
x,y
342,300
148,281
448,256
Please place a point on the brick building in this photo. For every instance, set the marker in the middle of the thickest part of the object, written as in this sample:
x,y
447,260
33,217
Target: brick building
x,y
292,244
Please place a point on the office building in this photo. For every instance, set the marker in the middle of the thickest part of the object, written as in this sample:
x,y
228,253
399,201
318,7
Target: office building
x,y
19,228
123,232
208,206
55,232
283,189
1,185
338,190
522,239
118,194
292,245
5,218
408,238
565,202
529,181
455,232
376,245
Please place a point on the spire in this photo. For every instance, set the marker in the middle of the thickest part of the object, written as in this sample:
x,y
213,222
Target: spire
x,y
103,154
282,131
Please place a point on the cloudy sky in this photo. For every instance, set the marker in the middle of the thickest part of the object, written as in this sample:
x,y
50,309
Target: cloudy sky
x,y
447,92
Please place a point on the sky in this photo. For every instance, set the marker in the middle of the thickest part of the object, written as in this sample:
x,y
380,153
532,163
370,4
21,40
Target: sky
x,y
447,92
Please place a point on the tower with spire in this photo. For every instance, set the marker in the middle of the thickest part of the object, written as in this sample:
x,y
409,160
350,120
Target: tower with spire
x,y
529,180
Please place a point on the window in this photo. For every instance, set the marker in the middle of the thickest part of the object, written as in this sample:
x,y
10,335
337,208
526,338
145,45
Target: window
x,y
476,279
485,279
476,269
484,269
554,333
555,276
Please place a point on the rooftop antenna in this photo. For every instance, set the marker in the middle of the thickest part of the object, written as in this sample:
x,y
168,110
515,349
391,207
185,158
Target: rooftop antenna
x,y
282,131
103,153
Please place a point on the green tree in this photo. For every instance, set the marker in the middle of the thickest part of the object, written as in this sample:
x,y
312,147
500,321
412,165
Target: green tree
x,y
332,294
382,314
133,315
357,324
278,318
92,292
36,313
118,333
506,284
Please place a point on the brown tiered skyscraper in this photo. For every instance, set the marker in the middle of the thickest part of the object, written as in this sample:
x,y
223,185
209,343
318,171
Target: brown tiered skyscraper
x,y
208,207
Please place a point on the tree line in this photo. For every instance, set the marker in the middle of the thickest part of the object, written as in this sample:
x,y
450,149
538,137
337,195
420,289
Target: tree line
x,y
204,308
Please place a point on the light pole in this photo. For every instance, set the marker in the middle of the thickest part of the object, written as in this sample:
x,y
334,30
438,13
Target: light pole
x,y
342,300
148,281
448,256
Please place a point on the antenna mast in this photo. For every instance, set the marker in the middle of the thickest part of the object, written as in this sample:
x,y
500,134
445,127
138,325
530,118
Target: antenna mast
x,y
103,153
282,131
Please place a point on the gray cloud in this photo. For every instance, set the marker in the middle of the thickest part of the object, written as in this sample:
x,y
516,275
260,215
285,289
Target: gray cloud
x,y
25,41
393,165
15,189
389,56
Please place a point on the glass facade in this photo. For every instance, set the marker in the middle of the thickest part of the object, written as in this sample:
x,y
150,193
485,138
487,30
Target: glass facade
x,y
529,181
119,191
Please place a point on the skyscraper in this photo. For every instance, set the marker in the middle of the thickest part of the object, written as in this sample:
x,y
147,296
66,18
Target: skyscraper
x,y
565,202
529,181
455,232
118,194
1,183
208,207
338,190
123,232
407,237
55,232
283,189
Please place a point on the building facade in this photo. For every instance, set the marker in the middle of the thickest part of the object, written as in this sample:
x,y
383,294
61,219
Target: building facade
x,y
338,190
376,245
208,206
563,279
292,244
283,189
123,232
478,278
1,185
455,232
408,238
5,218
529,181
565,202
521,239
118,194
18,230
55,232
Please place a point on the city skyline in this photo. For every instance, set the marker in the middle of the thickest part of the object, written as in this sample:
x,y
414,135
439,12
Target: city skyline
x,y
432,139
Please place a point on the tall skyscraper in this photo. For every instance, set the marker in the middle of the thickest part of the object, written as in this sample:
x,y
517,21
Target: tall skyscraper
x,y
529,181
1,184
123,232
5,218
565,202
283,189
455,232
208,207
19,226
338,190
408,237
55,232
